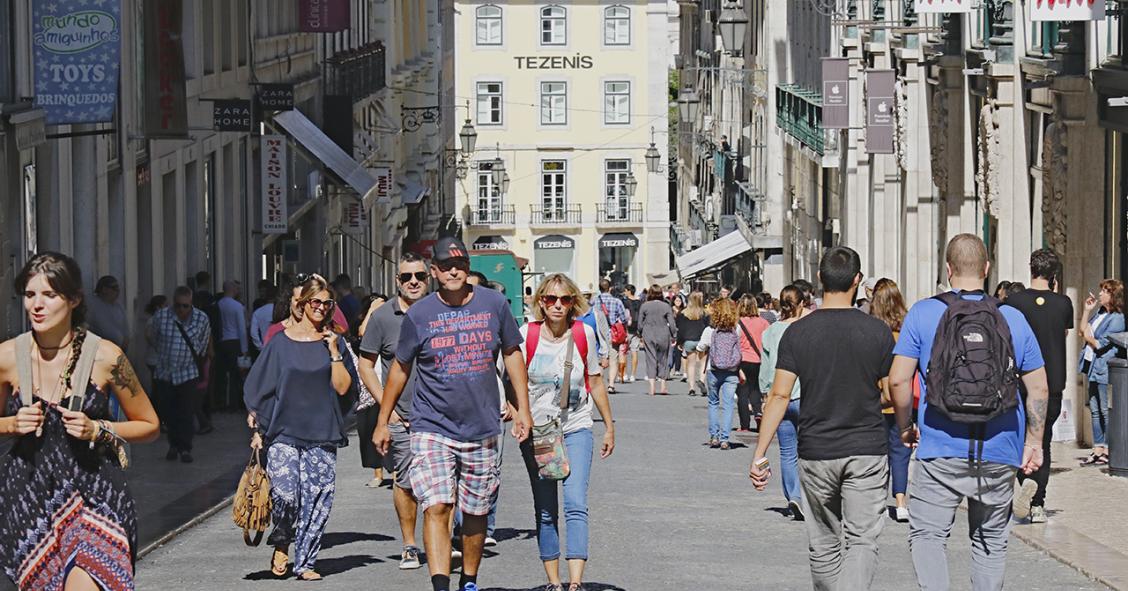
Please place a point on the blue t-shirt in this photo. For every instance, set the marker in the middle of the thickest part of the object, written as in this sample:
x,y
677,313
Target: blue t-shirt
x,y
941,437
455,351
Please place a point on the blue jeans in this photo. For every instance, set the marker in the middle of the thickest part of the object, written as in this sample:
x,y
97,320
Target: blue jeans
x,y
579,445
788,434
899,457
722,394
1098,405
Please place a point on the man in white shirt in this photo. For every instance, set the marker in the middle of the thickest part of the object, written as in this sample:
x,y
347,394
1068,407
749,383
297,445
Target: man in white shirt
x,y
232,345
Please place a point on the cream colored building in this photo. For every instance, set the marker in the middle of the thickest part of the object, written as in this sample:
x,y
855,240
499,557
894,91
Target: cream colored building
x,y
568,96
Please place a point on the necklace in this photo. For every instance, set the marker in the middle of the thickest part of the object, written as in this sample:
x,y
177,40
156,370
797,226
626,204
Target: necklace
x,y
39,376
62,346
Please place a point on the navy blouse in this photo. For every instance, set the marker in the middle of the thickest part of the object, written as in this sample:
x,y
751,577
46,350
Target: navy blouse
x,y
290,391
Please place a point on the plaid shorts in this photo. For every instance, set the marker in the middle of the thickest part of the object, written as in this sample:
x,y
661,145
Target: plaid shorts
x,y
440,465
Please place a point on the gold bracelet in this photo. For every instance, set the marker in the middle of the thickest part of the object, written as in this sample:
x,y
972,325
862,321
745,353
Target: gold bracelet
x,y
97,432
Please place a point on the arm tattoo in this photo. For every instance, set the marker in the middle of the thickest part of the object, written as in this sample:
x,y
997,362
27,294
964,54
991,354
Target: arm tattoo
x,y
1036,413
123,377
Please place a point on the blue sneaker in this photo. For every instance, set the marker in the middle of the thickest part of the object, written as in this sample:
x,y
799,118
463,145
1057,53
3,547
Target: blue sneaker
x,y
470,587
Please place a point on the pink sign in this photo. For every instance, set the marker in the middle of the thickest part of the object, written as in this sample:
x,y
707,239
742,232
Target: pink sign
x,y
323,16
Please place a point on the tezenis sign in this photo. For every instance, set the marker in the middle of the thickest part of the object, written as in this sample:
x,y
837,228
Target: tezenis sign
x,y
554,62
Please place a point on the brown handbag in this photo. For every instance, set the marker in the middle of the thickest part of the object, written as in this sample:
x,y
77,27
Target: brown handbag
x,y
251,507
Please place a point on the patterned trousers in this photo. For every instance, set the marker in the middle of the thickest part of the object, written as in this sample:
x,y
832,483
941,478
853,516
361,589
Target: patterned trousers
x,y
302,486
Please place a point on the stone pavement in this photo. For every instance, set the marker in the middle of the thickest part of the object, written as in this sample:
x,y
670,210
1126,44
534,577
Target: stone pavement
x,y
666,513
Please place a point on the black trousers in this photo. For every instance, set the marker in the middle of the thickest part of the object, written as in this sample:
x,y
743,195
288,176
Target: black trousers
x,y
227,377
179,402
365,425
1042,475
748,397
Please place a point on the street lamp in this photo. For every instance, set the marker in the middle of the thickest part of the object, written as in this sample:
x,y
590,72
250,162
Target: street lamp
x,y
733,23
469,138
652,155
687,103
504,182
632,184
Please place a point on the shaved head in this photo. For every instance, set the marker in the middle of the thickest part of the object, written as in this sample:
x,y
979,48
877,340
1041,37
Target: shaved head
x,y
967,256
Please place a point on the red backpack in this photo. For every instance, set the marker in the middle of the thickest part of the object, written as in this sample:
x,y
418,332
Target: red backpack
x,y
532,338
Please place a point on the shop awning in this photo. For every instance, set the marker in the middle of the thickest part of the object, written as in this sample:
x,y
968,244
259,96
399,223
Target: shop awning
x,y
313,140
712,255
411,192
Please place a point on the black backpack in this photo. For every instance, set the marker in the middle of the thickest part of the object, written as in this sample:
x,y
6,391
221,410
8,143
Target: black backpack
x,y
971,375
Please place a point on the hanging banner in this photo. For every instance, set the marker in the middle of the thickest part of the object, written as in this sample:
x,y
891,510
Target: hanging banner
x,y
272,155
276,97
944,6
1066,10
836,93
232,115
165,104
879,111
354,220
384,182
323,16
76,46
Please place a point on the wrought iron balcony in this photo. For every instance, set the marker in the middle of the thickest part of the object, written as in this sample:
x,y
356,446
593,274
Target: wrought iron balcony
x,y
499,216
629,213
356,73
568,215
799,114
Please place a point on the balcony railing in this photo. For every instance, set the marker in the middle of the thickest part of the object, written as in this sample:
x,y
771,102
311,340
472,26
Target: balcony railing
x,y
799,114
568,215
356,73
621,213
504,215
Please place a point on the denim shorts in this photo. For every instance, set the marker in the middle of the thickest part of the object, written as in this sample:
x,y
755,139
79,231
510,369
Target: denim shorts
x,y
689,347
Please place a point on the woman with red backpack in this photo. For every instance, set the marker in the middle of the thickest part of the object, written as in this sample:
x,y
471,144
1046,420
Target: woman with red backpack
x,y
724,373
562,444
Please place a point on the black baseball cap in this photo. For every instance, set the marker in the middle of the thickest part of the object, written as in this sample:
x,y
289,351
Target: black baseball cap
x,y
450,248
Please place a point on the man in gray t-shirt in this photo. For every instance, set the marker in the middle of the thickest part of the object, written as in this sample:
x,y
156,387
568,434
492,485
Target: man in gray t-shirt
x,y
379,344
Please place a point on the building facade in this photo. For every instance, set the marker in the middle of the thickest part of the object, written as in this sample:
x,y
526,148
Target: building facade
x,y
566,99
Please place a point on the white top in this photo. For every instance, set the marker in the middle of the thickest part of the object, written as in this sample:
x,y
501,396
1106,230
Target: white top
x,y
260,323
233,320
1090,353
546,371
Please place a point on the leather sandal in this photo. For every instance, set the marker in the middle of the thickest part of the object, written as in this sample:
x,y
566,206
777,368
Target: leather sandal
x,y
310,575
279,568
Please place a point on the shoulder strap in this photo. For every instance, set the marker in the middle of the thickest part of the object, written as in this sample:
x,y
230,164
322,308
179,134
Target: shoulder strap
x,y
947,298
188,341
751,340
23,368
532,337
83,369
566,383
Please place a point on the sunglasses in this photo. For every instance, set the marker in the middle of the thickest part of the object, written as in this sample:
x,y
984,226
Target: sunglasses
x,y
301,278
550,300
317,304
418,275
455,263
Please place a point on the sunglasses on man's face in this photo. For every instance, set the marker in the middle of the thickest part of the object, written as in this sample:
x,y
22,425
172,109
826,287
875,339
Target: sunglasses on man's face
x,y
317,304
550,300
418,275
460,264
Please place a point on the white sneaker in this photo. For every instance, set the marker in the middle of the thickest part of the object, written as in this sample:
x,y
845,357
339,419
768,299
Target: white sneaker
x,y
1023,494
455,553
902,514
1037,514
490,542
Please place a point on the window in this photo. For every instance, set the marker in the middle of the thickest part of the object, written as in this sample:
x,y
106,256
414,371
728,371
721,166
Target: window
x,y
617,200
489,195
554,103
617,25
554,25
489,103
553,192
488,25
616,103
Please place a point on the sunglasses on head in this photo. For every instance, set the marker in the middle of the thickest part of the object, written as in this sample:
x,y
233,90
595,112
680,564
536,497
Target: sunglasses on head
x,y
418,275
317,304
301,278
550,300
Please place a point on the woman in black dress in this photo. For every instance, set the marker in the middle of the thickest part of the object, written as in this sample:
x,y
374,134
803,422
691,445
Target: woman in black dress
x,y
69,520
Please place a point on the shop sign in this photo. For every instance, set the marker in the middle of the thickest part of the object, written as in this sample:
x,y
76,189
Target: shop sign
x,y
272,153
166,103
619,240
554,242
944,6
554,62
836,93
76,51
276,97
354,220
490,243
1066,10
232,115
323,16
880,111
31,128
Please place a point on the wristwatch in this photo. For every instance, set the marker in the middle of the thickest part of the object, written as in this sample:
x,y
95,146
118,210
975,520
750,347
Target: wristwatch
x,y
337,359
